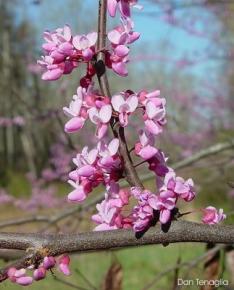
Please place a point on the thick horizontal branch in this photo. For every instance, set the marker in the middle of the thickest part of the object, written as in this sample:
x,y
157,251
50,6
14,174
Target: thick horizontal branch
x,y
39,245
179,231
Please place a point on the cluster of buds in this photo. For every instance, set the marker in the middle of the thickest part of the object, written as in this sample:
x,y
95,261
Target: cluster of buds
x,y
23,278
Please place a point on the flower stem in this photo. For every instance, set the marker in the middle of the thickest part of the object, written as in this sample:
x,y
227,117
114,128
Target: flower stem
x,y
130,172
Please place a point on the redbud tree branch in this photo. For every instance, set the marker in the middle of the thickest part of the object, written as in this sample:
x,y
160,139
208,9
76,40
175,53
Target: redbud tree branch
x,y
129,170
55,244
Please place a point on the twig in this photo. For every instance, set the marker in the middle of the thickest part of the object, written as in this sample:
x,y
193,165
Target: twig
x,y
69,284
85,279
130,171
190,264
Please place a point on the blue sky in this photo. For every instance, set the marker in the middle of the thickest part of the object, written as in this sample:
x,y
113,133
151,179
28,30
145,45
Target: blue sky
x,y
154,31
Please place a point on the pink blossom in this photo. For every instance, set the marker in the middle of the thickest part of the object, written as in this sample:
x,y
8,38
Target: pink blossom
x,y
212,216
86,45
49,262
122,5
177,187
125,104
77,111
58,43
19,276
164,205
63,265
101,117
110,215
86,176
123,34
109,157
118,59
143,212
145,148
39,274
155,113
120,37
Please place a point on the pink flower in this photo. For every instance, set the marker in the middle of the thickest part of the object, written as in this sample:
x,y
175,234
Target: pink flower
x,y
212,216
101,117
86,176
154,114
164,205
120,37
143,212
54,71
64,262
125,104
77,111
24,281
178,187
19,277
117,60
110,215
123,34
109,154
122,5
49,262
39,274
145,148
58,43
86,45
59,50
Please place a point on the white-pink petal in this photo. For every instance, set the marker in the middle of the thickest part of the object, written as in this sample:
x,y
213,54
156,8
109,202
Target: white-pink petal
x,y
117,101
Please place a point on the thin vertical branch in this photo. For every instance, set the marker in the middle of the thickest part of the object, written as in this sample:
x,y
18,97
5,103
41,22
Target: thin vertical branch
x,y
130,171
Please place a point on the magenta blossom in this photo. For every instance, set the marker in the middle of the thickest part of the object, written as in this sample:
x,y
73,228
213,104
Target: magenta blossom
x,y
19,277
123,34
109,157
110,209
125,104
77,111
122,5
145,148
63,264
212,216
143,211
155,113
86,176
59,54
85,44
101,117
177,187
49,262
118,59
39,274
164,205
58,44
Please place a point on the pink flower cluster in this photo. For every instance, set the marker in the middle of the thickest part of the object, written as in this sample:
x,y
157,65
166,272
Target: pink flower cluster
x,y
100,165
21,277
212,216
110,211
137,207
120,37
64,52
103,164
8,122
